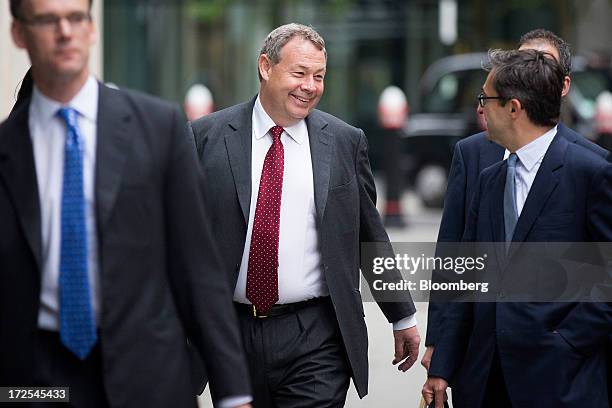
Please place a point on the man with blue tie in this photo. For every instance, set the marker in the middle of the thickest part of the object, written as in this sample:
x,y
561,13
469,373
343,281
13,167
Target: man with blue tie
x,y
109,279
549,189
477,152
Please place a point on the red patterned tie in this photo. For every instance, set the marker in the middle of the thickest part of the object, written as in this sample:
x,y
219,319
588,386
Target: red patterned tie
x,y
262,275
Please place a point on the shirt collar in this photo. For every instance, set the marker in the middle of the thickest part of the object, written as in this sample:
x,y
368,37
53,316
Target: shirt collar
x,y
533,152
85,102
262,123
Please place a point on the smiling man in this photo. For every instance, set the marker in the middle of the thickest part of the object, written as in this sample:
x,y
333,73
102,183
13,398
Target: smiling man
x,y
293,195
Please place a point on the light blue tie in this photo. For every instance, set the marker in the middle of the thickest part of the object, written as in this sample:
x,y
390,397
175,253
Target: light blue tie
x,y
510,209
77,323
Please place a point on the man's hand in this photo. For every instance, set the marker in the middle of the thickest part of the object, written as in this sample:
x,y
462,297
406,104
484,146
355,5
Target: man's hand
x,y
406,347
435,387
426,360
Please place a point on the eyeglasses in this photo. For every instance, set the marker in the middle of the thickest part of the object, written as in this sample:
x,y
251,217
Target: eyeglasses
x,y
51,21
482,98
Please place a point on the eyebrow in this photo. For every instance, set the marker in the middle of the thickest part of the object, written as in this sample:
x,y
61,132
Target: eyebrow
x,y
305,68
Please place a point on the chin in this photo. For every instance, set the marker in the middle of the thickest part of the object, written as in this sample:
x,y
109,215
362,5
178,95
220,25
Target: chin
x,y
69,71
300,114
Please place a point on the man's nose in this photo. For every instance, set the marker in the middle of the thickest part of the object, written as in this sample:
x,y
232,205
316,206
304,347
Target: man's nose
x,y
308,84
64,27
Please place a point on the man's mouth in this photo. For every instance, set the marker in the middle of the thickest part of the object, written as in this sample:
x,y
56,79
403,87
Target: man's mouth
x,y
67,52
303,100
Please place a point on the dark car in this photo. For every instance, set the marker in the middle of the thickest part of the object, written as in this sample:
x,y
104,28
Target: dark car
x,y
444,113
447,112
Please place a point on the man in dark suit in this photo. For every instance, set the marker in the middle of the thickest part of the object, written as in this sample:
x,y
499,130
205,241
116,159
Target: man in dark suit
x,y
475,153
550,189
293,192
107,264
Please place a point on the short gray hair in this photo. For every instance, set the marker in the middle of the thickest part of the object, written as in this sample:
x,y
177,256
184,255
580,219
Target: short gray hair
x,y
280,36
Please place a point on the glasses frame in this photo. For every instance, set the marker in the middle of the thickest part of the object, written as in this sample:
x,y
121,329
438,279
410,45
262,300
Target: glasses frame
x,y
482,98
52,21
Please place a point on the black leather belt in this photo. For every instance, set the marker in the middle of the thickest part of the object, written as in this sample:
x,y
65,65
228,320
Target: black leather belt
x,y
279,309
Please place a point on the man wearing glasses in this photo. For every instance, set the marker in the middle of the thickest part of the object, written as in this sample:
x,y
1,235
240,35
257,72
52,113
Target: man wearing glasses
x,y
508,354
107,265
475,153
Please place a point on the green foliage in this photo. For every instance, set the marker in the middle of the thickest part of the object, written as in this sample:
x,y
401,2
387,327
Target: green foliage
x,y
211,10
207,10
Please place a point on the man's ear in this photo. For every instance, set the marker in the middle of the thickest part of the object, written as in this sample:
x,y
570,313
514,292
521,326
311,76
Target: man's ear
x,y
515,106
566,85
93,33
264,65
18,34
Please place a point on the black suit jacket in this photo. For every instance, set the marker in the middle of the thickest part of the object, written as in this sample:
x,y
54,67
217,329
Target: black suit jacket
x,y
551,354
345,198
160,275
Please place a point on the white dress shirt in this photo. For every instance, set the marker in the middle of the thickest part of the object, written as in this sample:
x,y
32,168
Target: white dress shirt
x,y
48,134
300,275
530,158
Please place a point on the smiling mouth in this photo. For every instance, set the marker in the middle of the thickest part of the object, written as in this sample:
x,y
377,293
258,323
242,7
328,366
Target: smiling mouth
x,y
301,99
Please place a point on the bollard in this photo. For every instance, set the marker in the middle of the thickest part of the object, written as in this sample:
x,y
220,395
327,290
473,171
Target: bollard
x,y
198,102
392,114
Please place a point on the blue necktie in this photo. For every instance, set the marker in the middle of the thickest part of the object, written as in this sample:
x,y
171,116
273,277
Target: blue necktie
x,y
510,209
77,323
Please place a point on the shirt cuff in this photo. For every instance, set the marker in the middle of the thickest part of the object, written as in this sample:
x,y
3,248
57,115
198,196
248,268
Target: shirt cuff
x,y
405,323
232,402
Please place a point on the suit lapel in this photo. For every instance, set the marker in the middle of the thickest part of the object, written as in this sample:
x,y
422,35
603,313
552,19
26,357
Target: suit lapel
x,y
113,141
18,171
238,144
544,184
320,151
495,203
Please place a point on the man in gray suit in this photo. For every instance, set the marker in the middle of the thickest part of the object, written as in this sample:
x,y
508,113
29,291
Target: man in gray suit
x,y
292,195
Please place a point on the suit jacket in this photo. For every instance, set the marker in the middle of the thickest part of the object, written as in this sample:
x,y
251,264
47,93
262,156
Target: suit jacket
x,y
471,156
345,198
160,274
551,354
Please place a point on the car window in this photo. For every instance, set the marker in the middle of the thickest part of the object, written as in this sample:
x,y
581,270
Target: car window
x,y
455,92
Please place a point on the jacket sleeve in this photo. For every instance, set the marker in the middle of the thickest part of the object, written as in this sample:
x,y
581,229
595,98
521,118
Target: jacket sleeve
x,y
451,230
371,230
196,274
589,325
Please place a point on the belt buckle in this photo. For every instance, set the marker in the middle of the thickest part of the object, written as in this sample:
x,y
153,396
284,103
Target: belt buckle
x,y
258,316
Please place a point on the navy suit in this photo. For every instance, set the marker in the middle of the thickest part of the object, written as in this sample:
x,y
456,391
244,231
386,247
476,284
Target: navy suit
x,y
471,156
551,354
